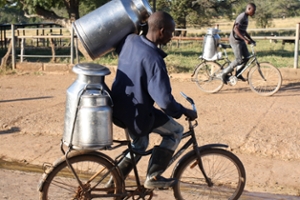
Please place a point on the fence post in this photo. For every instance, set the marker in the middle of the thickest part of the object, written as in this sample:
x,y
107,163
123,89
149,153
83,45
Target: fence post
x,y
13,50
22,49
72,45
296,47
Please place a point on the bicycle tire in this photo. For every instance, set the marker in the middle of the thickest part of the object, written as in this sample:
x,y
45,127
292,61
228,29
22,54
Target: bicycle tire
x,y
205,77
60,183
268,86
225,170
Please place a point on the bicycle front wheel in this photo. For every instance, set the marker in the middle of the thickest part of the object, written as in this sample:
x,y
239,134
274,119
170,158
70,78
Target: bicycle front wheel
x,y
265,80
205,77
92,171
225,170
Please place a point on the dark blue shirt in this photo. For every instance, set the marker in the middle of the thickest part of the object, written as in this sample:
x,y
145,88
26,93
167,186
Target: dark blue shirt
x,y
141,81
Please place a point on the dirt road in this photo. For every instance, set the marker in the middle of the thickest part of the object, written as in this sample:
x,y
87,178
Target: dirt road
x,y
262,131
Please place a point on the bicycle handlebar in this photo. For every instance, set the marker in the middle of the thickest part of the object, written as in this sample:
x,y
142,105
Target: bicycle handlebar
x,y
190,100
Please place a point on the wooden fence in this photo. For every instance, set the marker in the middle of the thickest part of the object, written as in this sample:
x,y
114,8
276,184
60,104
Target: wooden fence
x,y
73,43
44,37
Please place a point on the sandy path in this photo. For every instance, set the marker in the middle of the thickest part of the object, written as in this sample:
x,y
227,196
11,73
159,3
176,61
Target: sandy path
x,y
262,131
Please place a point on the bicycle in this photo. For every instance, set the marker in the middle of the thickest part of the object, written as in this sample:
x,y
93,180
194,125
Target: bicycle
x,y
208,171
263,78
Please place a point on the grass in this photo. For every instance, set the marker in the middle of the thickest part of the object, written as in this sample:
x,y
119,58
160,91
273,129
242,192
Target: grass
x,y
183,59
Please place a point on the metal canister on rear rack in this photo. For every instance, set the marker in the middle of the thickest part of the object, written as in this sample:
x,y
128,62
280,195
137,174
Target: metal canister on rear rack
x,y
210,44
88,115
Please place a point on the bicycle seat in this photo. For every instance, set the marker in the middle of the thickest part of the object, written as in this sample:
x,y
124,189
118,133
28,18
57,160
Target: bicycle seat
x,y
225,46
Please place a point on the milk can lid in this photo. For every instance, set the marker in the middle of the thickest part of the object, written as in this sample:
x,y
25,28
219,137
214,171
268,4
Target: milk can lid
x,y
91,69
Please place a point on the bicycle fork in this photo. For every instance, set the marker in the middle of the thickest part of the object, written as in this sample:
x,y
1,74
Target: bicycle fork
x,y
259,71
199,160
200,165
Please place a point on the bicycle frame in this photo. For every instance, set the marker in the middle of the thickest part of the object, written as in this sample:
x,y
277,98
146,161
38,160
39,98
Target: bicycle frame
x,y
192,141
251,59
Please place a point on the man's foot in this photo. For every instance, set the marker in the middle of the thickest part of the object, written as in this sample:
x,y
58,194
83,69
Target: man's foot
x,y
159,182
241,78
223,78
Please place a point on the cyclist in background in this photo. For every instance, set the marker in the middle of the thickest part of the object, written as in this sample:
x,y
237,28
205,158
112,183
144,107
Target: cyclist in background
x,y
239,38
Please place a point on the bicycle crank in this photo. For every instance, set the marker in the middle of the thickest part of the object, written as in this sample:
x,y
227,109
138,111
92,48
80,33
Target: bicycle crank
x,y
232,80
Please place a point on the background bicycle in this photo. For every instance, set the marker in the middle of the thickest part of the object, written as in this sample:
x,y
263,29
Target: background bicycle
x,y
263,78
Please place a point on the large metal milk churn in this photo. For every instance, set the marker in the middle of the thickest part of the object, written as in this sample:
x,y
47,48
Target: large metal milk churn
x,y
101,30
88,115
210,44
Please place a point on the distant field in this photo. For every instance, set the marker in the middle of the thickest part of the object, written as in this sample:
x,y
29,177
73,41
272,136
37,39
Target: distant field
x,y
225,25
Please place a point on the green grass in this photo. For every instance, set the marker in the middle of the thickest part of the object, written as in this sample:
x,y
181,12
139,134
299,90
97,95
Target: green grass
x,y
184,58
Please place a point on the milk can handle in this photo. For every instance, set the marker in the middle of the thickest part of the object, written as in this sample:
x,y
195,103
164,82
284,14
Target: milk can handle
x,y
107,93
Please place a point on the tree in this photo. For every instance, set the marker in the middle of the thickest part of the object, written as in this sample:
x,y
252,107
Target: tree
x,y
14,15
196,12
287,8
48,10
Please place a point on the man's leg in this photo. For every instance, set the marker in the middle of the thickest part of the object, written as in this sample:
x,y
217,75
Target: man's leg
x,y
238,49
245,54
125,165
171,133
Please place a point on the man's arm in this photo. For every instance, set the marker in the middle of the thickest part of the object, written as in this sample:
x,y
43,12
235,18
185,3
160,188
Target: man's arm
x,y
238,33
247,38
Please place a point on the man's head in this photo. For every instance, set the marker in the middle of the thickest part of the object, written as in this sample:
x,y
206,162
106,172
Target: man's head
x,y
161,27
250,9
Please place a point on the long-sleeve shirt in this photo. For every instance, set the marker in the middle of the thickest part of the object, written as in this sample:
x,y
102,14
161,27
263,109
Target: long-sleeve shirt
x,y
141,81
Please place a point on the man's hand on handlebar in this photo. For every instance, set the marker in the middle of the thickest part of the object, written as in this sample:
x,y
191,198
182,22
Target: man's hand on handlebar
x,y
190,114
252,42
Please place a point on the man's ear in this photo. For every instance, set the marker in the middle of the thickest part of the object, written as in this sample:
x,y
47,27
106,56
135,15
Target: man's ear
x,y
161,32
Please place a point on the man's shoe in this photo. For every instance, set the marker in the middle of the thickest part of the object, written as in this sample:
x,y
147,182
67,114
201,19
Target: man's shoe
x,y
241,78
223,74
159,182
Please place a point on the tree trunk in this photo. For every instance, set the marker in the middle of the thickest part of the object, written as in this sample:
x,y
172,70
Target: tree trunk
x,y
4,60
73,9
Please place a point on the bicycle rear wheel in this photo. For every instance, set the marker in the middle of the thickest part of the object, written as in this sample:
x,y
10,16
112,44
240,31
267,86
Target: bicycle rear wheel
x,y
205,77
265,80
225,170
60,182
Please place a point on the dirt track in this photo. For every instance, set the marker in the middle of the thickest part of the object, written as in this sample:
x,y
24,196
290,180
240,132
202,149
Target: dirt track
x,y
262,131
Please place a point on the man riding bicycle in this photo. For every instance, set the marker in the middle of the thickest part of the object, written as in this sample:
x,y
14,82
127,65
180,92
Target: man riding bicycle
x,y
142,80
238,40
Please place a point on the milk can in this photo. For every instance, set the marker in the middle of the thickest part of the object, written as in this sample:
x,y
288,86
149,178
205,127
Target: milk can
x,y
210,44
101,30
88,114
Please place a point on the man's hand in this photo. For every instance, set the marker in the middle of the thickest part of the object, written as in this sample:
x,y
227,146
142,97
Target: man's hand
x,y
190,114
248,41
253,42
